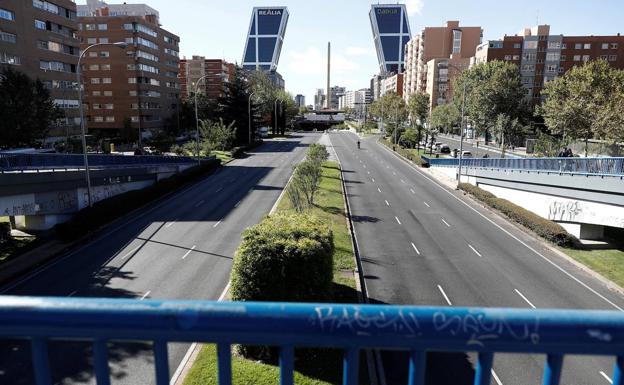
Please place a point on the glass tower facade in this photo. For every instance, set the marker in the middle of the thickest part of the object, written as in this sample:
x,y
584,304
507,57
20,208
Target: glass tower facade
x,y
391,33
265,38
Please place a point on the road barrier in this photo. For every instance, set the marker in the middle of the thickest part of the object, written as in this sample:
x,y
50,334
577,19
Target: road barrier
x,y
351,328
587,166
13,162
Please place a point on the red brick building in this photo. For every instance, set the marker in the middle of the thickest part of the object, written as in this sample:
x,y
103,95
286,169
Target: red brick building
x,y
191,70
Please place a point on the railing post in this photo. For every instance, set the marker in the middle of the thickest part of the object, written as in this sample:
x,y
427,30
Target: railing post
x,y
40,361
350,366
287,367
161,361
417,362
224,361
552,369
483,373
100,358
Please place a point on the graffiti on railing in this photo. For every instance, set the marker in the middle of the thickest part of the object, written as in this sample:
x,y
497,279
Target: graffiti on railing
x,y
564,211
477,327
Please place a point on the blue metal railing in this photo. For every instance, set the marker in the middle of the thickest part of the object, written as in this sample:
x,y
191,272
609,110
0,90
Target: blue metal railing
x,y
10,162
591,166
289,325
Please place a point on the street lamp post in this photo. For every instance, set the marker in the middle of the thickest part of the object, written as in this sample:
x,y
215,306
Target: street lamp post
x,y
121,45
249,115
461,128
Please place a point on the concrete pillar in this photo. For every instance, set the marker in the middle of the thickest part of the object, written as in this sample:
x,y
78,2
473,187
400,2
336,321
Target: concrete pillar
x,y
40,222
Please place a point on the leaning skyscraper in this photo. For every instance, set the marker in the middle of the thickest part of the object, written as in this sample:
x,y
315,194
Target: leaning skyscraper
x,y
265,38
391,32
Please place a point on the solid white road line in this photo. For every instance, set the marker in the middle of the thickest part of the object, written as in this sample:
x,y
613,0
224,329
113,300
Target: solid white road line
x,y
525,299
415,248
188,252
131,252
171,223
444,295
145,295
475,250
378,189
426,204
201,202
387,204
446,223
412,190
373,179
606,377
217,224
219,189
397,219
561,269
402,181
237,203
498,381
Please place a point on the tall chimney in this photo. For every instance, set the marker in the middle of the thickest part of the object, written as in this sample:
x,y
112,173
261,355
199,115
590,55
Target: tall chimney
x,y
328,97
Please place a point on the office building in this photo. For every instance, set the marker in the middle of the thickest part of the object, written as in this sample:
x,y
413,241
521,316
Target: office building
x,y
335,93
300,100
392,83
216,73
138,84
391,31
265,38
541,57
319,99
453,42
441,74
375,86
355,100
38,38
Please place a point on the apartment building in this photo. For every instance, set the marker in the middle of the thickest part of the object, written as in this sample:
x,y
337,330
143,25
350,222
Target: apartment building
x,y
392,83
356,100
541,57
138,84
453,42
39,39
216,71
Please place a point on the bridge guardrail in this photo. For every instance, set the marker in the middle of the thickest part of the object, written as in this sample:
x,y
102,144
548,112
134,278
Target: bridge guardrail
x,y
588,166
9,162
351,328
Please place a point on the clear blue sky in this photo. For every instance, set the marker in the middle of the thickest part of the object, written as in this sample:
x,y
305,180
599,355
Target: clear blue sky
x,y
217,29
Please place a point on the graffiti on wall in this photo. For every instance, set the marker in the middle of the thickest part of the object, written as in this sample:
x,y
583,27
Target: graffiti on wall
x,y
567,211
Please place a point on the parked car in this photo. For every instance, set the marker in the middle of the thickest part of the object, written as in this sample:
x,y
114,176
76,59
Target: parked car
x,y
466,154
148,150
445,149
264,132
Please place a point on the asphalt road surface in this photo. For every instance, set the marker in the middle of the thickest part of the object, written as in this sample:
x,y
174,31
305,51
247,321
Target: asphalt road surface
x,y
178,248
422,244
477,151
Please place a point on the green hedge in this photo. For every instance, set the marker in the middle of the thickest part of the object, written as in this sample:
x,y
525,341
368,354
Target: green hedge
x,y
286,257
405,153
112,208
545,228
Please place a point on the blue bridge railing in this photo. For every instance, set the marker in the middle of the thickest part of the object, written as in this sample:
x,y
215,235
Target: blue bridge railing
x,y
351,328
592,166
10,162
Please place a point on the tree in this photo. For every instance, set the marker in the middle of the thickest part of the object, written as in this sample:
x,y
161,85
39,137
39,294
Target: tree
x,y
233,106
26,110
586,102
303,110
410,138
216,135
508,130
418,109
392,110
492,88
445,117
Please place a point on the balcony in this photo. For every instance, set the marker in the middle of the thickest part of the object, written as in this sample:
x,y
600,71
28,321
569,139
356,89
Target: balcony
x,y
352,328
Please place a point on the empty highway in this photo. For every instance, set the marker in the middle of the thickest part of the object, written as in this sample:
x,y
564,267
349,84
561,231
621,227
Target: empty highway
x,y
422,244
179,248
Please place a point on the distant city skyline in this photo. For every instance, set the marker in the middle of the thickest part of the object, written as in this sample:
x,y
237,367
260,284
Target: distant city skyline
x,y
217,29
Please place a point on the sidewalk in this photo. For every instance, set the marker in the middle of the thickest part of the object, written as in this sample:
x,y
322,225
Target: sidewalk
x,y
480,143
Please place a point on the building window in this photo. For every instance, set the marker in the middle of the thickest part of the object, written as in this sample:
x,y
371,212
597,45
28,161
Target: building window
x,y
95,80
530,44
587,46
516,57
517,45
102,27
98,119
578,45
529,56
132,80
562,58
564,46
586,58
104,40
8,37
91,40
134,119
105,67
561,70
551,68
6,14
528,67
614,45
93,54
40,24
96,106
612,57
604,57
457,36
6,58
107,80
108,93
577,57
109,106
110,119
604,46
94,67
104,54
96,93
90,27
554,44
128,27
507,57
552,56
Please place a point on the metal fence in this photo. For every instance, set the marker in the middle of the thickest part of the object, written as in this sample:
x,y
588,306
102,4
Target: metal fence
x,y
10,162
592,166
351,328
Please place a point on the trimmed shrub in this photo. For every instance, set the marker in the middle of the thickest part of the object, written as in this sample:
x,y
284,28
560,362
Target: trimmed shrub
x,y
286,257
317,153
296,197
543,227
